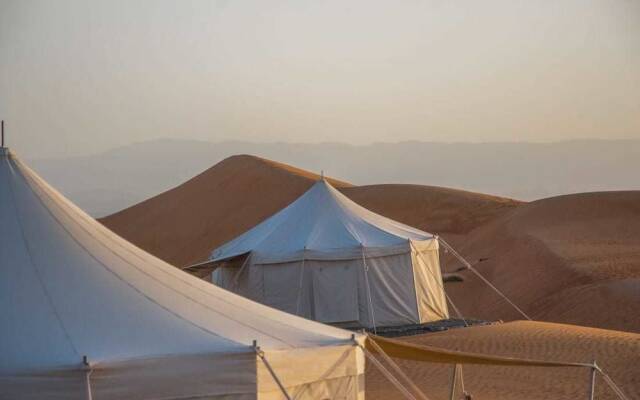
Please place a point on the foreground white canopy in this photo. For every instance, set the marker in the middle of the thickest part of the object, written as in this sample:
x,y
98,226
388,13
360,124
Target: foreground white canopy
x,y
71,289
326,258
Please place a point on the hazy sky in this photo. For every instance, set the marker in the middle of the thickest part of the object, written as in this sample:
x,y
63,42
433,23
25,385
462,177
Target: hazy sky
x,y
82,76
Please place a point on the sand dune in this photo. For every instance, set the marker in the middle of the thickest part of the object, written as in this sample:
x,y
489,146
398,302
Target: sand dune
x,y
184,224
572,259
616,352
437,210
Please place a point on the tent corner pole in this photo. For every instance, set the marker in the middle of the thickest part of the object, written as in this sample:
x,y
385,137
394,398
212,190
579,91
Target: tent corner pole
x,y
366,279
86,367
592,381
454,380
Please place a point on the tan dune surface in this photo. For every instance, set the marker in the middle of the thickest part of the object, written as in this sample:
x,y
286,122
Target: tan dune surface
x,y
450,212
572,259
618,353
184,224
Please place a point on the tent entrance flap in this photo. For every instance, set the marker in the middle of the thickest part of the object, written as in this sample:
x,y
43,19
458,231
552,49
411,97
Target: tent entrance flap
x,y
334,293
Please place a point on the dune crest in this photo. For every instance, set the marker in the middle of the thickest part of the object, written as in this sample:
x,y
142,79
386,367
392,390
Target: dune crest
x,y
571,259
184,224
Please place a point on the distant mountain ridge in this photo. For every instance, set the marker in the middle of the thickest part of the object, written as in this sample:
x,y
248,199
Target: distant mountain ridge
x,y
113,180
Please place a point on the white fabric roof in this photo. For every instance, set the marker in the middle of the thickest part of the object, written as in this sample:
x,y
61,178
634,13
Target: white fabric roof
x,y
320,224
69,287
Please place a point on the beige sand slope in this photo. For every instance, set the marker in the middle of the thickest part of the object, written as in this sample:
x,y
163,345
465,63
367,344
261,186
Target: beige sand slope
x,y
618,353
572,259
184,224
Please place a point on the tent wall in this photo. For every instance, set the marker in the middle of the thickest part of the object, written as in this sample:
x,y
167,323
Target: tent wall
x,y
219,376
340,368
393,292
432,302
329,372
404,288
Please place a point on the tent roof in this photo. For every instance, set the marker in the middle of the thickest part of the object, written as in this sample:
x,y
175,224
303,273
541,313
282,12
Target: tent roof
x,y
69,287
322,221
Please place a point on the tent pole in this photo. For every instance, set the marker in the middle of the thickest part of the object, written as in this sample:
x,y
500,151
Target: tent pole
x,y
592,386
87,377
385,372
454,380
366,279
260,354
300,282
236,277
396,367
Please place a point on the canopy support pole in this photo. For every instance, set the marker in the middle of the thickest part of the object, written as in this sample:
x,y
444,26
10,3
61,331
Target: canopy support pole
x,y
236,277
366,279
406,393
592,386
454,380
87,377
300,283
260,354
397,369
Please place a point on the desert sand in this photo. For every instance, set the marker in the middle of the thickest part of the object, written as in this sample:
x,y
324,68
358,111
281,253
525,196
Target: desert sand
x,y
571,259
618,353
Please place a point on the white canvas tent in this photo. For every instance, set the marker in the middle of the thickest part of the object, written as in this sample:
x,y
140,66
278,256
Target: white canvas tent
x,y
71,290
326,258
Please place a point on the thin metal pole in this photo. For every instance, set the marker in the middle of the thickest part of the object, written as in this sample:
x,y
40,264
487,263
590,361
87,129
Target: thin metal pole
x,y
592,389
454,380
260,354
366,279
87,377
416,390
300,282
2,134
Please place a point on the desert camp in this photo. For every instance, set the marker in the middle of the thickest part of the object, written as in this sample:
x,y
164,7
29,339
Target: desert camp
x,y
319,200
97,332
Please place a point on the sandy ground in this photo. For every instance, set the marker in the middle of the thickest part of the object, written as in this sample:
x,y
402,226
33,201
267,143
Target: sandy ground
x,y
618,353
571,259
